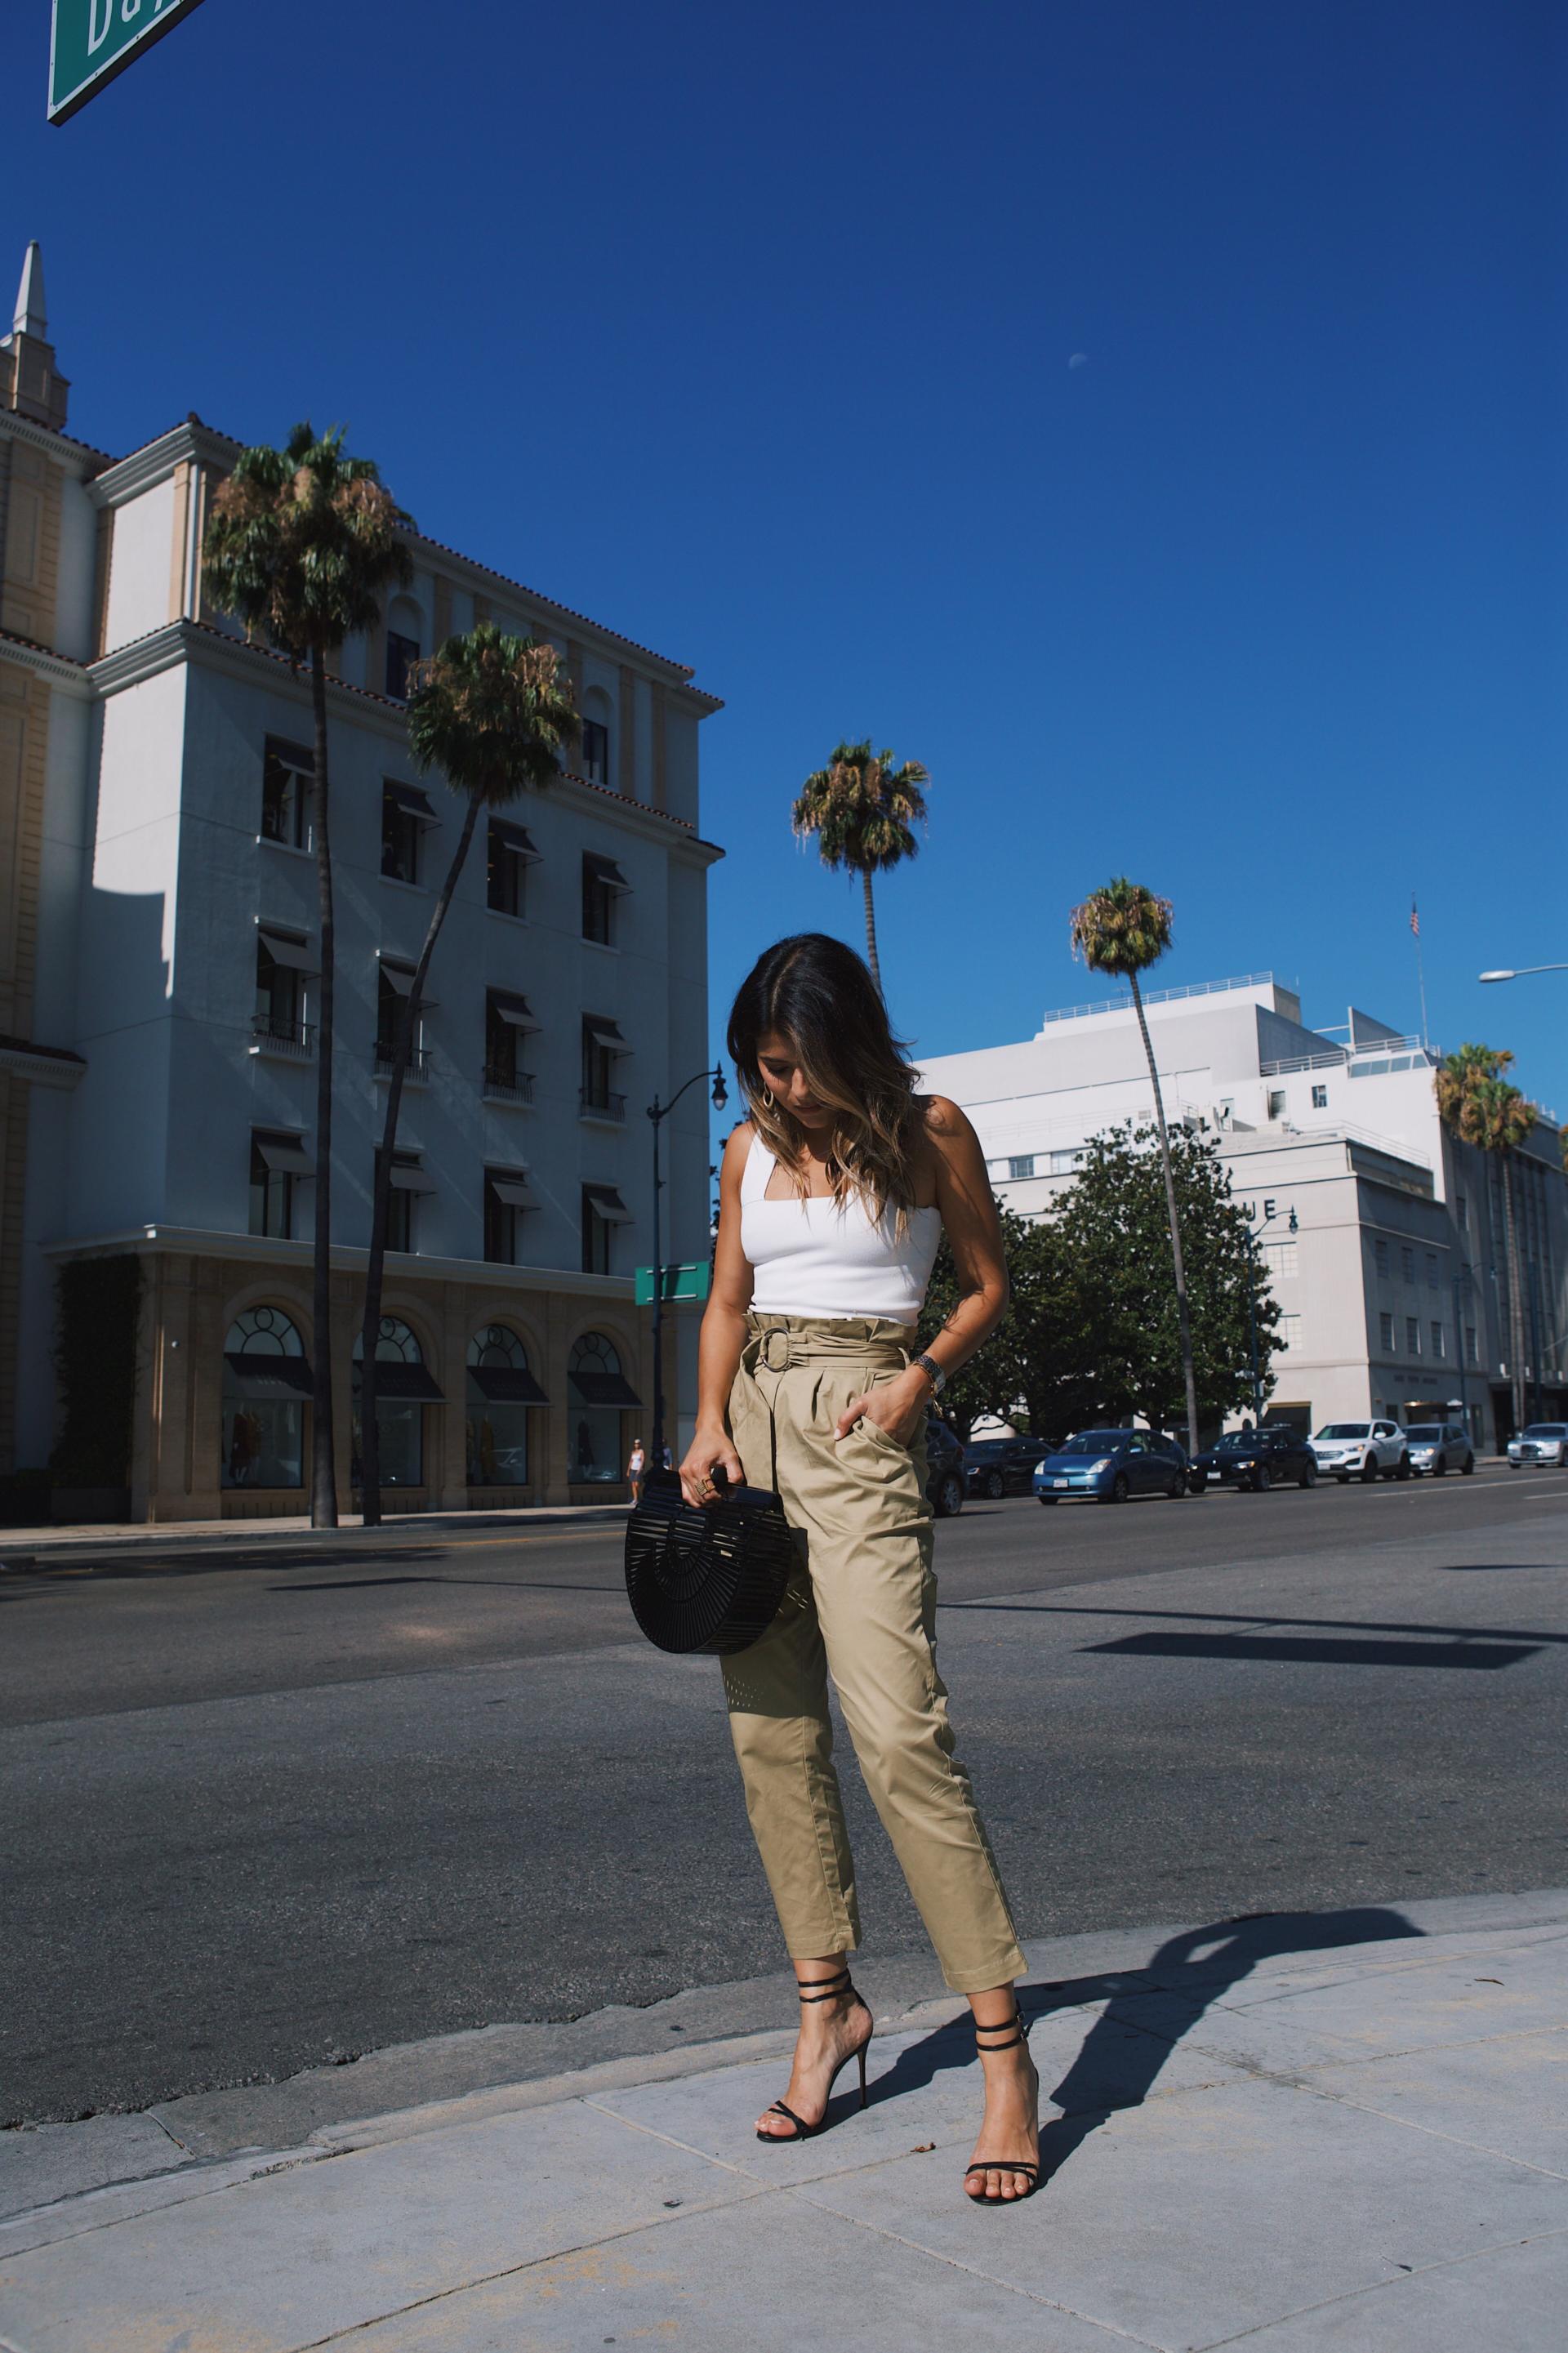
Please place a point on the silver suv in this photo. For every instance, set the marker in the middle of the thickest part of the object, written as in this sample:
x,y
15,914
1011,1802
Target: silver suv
x,y
1362,1449
1540,1443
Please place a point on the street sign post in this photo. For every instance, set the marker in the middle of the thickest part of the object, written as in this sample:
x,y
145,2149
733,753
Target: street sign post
x,y
680,1282
93,40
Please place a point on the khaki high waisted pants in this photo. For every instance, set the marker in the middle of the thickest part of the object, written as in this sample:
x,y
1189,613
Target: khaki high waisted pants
x,y
862,1604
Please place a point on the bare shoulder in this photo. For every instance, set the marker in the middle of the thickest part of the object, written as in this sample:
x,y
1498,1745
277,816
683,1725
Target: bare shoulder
x,y
737,1144
947,1123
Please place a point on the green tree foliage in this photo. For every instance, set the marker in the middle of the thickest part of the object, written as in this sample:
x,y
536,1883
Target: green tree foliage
x,y
1113,1230
863,808
1479,1104
1039,1353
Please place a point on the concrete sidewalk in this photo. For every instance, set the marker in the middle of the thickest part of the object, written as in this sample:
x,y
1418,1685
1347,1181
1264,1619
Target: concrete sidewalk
x,y
19,1547
1341,2129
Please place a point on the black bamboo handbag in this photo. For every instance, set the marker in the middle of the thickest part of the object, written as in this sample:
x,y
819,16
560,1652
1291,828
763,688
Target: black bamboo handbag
x,y
709,1580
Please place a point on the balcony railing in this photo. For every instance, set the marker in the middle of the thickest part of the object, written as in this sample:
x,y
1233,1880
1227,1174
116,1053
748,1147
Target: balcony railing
x,y
598,1102
281,1033
418,1060
508,1086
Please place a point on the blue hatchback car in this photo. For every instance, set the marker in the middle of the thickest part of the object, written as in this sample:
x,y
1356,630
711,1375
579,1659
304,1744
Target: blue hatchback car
x,y
1109,1466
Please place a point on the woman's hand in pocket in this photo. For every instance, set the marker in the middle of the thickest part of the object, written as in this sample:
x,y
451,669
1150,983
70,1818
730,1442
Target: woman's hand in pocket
x,y
897,1407
710,1448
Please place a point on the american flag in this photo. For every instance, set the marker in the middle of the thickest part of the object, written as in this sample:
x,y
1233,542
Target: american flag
x,y
1415,920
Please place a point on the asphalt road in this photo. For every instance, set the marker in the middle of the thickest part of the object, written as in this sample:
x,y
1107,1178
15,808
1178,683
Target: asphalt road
x,y
266,1807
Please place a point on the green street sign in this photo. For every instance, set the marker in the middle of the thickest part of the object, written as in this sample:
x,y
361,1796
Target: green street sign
x,y
93,40
680,1282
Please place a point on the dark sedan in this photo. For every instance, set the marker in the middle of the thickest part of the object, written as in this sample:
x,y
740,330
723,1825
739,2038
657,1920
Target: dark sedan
x,y
1002,1466
1107,1466
944,1468
1253,1461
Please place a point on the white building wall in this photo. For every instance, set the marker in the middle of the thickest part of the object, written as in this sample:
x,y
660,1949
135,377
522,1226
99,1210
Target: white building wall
x,y
141,554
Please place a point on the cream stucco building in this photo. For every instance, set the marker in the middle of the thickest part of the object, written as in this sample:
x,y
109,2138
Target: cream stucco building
x,y
158,961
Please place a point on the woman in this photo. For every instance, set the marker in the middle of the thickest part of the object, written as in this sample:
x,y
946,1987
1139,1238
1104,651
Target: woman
x,y
636,1467
833,1197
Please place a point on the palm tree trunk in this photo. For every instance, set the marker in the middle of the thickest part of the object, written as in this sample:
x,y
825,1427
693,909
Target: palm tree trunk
x,y
871,930
1515,1296
1184,1321
324,1453
381,1199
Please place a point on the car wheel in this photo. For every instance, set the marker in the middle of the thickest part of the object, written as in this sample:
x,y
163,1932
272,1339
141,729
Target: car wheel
x,y
1369,1472
949,1497
1119,1488
1342,1477
1401,1469
1308,1477
1047,1500
1468,1466
996,1487
1440,1467
1177,1488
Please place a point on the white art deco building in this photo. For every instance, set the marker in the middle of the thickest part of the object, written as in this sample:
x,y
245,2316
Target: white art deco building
x,y
158,962
1393,1285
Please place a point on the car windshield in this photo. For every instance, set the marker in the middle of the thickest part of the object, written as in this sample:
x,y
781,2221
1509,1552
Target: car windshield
x,y
1093,1441
1546,1428
1344,1429
1234,1440
1427,1432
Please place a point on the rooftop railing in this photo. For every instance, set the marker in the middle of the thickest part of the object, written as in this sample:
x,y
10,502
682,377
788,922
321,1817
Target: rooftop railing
x,y
1159,997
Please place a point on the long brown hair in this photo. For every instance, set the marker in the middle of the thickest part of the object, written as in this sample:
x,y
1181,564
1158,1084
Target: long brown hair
x,y
818,994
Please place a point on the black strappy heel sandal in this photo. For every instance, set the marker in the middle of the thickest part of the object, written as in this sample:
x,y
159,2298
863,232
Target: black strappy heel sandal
x,y
824,1990
1016,2029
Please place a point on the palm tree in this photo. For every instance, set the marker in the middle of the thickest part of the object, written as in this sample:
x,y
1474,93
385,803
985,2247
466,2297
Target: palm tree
x,y
1480,1106
301,545
1123,929
493,714
861,807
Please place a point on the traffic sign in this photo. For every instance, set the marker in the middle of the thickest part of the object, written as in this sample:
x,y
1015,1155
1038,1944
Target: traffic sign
x,y
93,40
680,1282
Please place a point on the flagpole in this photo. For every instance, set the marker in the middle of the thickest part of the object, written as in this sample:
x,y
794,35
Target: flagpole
x,y
1420,968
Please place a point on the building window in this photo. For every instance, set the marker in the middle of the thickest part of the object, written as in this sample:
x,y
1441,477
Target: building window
x,y
1275,1102
508,1199
499,1390
603,884
1021,1165
1470,1356
1407,1263
509,854
278,1161
1279,1259
597,1393
401,653
1431,1270
596,753
604,1048
394,987
1289,1331
508,1022
266,1388
284,964
1066,1164
1437,1347
1412,1336
1462,1211
1386,1333
404,1389
603,1211
1319,1099
406,813
408,1181
287,775
1380,1253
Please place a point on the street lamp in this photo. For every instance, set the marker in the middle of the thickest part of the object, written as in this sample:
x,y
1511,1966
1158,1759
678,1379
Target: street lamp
x,y
1523,970
1292,1225
656,1113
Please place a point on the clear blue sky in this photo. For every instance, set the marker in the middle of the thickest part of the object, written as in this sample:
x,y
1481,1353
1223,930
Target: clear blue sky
x,y
1148,416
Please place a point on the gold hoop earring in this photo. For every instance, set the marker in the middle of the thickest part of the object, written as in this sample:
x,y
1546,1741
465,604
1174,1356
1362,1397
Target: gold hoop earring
x,y
767,1098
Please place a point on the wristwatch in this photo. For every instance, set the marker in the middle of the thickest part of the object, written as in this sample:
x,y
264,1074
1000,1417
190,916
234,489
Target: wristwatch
x,y
934,1373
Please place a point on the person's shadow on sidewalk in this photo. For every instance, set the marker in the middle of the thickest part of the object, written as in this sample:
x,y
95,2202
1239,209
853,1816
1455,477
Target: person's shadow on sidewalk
x,y
1147,2011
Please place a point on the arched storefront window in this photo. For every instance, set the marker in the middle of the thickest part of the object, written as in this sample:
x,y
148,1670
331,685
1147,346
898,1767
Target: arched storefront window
x,y
403,1387
499,1390
598,1394
266,1388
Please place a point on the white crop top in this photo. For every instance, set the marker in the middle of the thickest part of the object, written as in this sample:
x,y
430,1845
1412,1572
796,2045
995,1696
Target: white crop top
x,y
813,1258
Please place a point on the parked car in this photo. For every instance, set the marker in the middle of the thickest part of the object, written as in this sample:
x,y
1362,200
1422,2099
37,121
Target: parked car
x,y
944,1468
1540,1443
1002,1466
1107,1466
1439,1447
1256,1459
1368,1450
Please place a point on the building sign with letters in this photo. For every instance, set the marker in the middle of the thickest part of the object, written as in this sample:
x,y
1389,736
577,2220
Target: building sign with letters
x,y
93,40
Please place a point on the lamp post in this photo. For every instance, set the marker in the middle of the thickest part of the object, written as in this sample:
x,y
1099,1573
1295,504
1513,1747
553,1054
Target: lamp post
x,y
1522,972
656,1113
1292,1225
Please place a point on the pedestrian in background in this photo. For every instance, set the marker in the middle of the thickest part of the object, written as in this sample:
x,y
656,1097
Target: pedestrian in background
x,y
834,1195
637,1465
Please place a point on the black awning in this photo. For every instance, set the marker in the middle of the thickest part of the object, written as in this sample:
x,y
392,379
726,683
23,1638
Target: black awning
x,y
411,800
602,1389
267,1376
412,1383
604,869
515,838
507,1384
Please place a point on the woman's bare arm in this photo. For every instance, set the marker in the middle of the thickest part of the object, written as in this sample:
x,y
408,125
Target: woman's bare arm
x,y
723,1331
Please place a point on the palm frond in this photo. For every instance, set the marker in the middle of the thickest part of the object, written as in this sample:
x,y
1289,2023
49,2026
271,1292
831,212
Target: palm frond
x,y
1121,929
